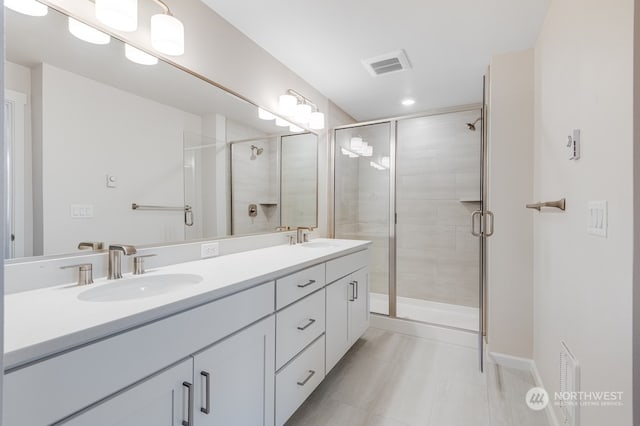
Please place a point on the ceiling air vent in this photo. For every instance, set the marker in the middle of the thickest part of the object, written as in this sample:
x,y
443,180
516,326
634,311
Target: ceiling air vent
x,y
387,63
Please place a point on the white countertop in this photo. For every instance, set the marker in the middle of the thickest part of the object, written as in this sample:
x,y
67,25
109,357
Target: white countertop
x,y
44,322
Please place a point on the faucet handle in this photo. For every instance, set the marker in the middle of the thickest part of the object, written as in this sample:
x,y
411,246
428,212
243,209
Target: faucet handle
x,y
283,228
138,263
85,272
91,245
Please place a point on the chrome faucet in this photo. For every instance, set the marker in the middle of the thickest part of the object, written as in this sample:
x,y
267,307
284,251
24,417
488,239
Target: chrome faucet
x,y
90,245
302,236
115,259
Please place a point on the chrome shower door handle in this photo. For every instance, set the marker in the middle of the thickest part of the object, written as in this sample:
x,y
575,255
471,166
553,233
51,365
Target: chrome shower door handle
x,y
473,223
488,230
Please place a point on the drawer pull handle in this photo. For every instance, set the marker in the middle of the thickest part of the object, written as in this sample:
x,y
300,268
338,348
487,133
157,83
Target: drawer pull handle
x,y
307,284
207,381
353,291
307,325
304,382
189,421
357,290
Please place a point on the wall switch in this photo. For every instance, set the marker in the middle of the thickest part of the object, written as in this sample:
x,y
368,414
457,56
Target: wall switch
x,y
112,181
81,210
598,220
209,250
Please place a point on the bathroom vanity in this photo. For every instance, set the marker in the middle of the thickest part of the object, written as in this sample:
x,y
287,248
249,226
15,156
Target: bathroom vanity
x,y
243,341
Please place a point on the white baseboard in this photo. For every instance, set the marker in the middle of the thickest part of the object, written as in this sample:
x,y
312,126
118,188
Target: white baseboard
x,y
425,331
526,364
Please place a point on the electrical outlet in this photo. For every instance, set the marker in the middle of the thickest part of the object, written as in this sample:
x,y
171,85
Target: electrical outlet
x,y
209,250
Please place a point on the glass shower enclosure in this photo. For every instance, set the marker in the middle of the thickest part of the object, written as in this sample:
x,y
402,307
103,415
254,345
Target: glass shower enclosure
x,y
411,186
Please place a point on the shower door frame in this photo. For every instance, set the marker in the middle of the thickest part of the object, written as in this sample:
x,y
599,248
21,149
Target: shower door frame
x,y
393,216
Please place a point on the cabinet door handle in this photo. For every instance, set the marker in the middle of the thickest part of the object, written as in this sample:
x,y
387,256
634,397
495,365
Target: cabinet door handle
x,y
307,284
307,325
189,421
304,382
357,293
353,291
207,393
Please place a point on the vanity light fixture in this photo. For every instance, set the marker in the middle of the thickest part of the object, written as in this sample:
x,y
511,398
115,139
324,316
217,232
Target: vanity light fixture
x,y
138,56
349,153
87,33
287,105
263,114
167,32
301,110
27,7
356,143
121,15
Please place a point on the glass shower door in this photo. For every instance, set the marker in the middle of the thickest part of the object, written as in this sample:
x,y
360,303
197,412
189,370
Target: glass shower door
x,y
363,197
438,188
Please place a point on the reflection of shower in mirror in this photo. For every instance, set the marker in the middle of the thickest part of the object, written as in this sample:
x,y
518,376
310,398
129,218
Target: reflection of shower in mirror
x,y
255,151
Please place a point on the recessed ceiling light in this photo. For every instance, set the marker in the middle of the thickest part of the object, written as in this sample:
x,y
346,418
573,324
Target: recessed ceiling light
x,y
408,102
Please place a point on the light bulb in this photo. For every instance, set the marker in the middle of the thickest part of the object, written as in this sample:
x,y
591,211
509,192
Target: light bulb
x,y
287,105
138,56
356,143
316,121
367,151
87,33
121,15
265,115
295,129
27,7
303,113
167,34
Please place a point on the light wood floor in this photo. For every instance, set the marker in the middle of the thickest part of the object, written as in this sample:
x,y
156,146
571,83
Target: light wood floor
x,y
390,379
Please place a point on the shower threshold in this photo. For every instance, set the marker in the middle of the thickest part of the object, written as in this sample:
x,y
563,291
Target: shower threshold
x,y
458,316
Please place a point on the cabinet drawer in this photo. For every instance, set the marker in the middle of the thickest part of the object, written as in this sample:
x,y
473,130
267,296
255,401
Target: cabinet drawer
x,y
298,325
345,265
299,284
298,379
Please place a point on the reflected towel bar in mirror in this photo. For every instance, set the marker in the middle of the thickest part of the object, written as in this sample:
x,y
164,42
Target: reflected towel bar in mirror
x,y
560,204
187,209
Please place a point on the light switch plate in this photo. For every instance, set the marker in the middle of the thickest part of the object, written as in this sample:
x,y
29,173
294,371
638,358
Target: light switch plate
x,y
209,250
598,218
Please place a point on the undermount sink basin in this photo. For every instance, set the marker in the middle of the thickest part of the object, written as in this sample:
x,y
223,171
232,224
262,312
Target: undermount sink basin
x,y
319,244
139,287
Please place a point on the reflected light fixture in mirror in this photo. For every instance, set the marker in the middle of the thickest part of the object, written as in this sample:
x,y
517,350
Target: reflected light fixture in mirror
x,y
87,33
263,114
303,113
295,129
316,121
282,122
27,7
121,15
138,56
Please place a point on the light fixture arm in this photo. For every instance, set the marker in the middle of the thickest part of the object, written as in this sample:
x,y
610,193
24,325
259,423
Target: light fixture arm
x,y
164,6
301,98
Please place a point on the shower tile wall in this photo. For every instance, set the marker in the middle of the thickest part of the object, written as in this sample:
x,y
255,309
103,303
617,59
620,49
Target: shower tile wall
x,y
299,180
254,181
438,177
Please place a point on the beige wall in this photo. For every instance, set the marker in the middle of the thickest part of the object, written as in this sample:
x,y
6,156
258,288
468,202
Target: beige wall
x,y
510,187
583,283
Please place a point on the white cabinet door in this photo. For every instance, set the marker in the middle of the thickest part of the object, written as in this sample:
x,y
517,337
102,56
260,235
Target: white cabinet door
x,y
337,321
358,304
161,400
234,379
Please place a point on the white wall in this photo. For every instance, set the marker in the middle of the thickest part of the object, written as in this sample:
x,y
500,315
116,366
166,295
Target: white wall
x,y
144,152
583,283
510,188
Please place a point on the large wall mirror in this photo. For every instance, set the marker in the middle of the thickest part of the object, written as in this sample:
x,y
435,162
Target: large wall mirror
x,y
90,133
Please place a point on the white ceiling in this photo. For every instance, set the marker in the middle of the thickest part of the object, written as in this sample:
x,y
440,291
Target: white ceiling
x,y
449,43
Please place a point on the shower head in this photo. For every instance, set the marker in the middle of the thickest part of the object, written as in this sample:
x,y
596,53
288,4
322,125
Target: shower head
x,y
472,126
255,150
